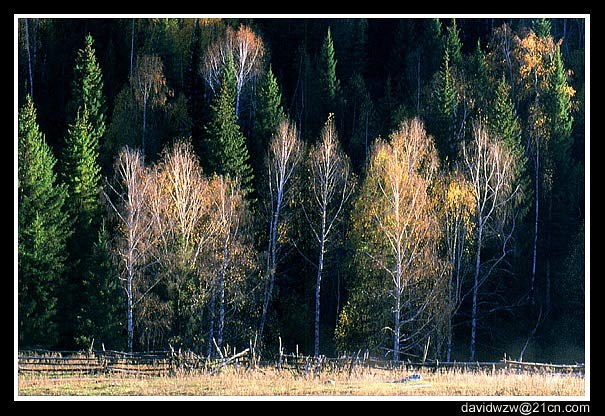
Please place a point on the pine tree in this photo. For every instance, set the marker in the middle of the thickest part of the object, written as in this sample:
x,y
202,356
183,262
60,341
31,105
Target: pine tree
x,y
541,27
43,230
102,314
503,120
270,113
453,45
482,88
81,173
558,169
329,85
433,45
87,89
558,104
225,145
503,123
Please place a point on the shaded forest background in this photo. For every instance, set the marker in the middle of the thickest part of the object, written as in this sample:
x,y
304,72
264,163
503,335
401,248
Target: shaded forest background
x,y
360,80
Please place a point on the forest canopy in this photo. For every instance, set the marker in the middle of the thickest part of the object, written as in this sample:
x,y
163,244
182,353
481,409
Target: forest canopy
x,y
412,187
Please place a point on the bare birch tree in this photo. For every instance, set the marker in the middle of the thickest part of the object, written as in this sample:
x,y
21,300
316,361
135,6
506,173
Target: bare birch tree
x,y
491,172
135,241
283,158
247,50
331,184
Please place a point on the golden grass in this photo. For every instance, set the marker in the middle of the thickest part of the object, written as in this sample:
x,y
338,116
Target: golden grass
x,y
269,382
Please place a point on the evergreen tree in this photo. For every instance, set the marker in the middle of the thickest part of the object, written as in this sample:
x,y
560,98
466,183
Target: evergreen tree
x,y
87,89
433,45
225,145
558,108
482,88
503,120
329,85
270,113
101,316
81,173
453,45
43,230
541,27
558,173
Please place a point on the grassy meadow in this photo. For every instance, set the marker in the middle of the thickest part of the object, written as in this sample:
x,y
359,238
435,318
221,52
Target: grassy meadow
x,y
270,382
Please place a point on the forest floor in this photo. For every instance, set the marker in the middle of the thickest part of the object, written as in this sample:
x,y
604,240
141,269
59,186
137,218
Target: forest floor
x,y
269,382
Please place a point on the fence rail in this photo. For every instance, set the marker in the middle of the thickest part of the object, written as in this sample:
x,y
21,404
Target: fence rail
x,y
170,363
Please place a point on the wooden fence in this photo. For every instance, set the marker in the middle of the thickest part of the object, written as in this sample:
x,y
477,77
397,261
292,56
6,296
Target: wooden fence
x,y
172,363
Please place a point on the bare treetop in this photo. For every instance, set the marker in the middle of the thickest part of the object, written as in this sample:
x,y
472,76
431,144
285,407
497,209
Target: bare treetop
x,y
247,51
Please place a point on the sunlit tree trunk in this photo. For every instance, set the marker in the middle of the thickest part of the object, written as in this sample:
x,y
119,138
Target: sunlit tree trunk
x,y
285,152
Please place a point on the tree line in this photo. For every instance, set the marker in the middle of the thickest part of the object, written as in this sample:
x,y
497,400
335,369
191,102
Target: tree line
x,y
345,184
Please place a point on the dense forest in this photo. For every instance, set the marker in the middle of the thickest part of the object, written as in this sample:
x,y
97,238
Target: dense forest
x,y
410,187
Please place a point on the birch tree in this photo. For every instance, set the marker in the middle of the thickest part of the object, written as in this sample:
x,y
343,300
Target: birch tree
x,y
456,211
491,171
283,158
247,50
397,230
181,205
331,184
549,125
232,246
135,236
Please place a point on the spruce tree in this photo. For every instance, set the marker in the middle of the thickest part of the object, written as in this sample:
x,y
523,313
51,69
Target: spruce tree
x,y
503,120
482,88
559,171
453,45
87,89
225,147
541,27
101,315
329,85
504,123
43,230
270,112
558,108
81,173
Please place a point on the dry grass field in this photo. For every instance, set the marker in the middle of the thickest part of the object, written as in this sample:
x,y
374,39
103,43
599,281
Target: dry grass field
x,y
270,382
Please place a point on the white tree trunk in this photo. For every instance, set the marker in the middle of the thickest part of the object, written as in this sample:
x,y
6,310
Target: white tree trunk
x,y
130,324
320,265
221,293
211,331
